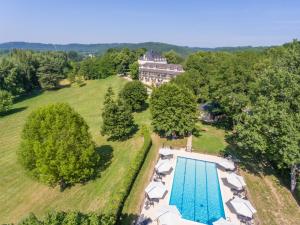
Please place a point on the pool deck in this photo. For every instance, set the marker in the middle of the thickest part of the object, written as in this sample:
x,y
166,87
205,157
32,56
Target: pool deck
x,y
168,180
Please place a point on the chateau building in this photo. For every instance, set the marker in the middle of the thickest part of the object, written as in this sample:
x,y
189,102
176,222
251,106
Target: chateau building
x,y
154,69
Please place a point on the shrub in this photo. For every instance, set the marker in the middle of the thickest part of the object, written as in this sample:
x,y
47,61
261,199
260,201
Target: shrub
x,y
57,147
6,101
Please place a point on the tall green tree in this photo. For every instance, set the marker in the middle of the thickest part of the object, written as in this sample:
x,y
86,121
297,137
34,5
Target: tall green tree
x,y
274,118
53,67
134,70
173,110
135,95
89,69
57,147
271,133
117,119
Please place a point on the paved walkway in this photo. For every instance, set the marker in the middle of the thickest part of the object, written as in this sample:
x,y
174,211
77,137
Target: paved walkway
x,y
189,143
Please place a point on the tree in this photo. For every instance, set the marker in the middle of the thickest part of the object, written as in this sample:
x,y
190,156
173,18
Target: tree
x,y
194,81
53,67
173,110
57,147
272,128
172,57
89,69
74,56
6,101
134,70
117,119
271,132
73,72
134,94
18,73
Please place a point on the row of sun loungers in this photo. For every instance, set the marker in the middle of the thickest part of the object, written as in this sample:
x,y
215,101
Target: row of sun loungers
x,y
239,203
156,189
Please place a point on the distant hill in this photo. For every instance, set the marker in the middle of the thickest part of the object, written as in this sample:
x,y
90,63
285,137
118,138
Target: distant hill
x,y
101,48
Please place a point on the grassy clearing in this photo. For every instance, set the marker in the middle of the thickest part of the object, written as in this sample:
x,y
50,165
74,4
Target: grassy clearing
x,y
20,195
274,203
210,140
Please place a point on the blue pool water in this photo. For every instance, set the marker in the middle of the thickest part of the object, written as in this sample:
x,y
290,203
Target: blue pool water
x,y
196,191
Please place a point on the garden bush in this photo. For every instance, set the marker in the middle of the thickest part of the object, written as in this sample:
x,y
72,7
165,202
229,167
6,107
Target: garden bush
x,y
57,147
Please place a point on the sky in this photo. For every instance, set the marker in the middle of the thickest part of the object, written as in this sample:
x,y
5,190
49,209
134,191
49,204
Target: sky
x,y
201,23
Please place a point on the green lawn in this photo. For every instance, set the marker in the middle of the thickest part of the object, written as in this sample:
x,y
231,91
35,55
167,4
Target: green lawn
x,y
210,140
20,195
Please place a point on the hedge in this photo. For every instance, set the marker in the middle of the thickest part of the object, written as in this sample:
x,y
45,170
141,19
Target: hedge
x,y
114,207
116,204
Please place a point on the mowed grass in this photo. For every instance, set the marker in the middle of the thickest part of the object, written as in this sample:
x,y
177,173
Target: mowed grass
x,y
210,140
274,203
19,194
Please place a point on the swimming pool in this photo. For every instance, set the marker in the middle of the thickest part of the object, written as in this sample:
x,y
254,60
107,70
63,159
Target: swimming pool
x,y
196,191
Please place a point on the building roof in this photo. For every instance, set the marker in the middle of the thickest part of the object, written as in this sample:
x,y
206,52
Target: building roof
x,y
152,56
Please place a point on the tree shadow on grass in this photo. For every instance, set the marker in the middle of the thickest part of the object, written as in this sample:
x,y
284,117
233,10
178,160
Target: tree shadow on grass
x,y
106,154
32,94
197,131
12,111
222,124
254,163
144,107
125,137
127,219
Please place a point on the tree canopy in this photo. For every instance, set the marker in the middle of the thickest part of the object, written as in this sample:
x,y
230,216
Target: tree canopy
x,y
23,71
134,71
57,147
173,110
134,94
173,57
258,94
